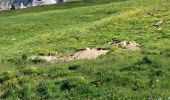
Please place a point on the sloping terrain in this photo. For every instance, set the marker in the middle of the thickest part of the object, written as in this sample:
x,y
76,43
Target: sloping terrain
x,y
58,31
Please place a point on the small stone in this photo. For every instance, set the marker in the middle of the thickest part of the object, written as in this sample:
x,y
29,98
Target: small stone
x,y
87,48
159,22
13,39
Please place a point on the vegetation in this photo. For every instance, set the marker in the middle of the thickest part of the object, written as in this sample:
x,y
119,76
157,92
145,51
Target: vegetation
x,y
63,29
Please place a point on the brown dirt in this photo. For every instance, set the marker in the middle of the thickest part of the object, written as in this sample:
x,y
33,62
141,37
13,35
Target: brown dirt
x,y
80,54
86,54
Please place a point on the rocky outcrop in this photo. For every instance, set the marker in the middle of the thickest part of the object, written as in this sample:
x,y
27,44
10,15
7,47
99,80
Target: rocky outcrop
x,y
5,5
17,4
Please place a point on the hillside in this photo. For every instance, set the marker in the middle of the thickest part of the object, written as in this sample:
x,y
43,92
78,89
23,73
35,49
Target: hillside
x,y
135,33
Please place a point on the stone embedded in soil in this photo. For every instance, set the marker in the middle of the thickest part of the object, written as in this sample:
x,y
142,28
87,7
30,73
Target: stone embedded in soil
x,y
160,22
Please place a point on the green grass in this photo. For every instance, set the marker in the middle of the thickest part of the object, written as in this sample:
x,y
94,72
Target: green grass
x,y
67,5
63,29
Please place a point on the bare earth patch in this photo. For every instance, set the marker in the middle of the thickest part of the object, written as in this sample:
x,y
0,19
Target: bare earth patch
x,y
86,54
80,54
129,45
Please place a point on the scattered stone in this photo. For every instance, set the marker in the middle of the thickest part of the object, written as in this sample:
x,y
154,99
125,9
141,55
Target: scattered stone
x,y
160,28
129,45
158,24
13,39
150,13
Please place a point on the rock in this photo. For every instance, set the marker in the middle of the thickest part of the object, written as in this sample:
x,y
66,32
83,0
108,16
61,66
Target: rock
x,y
87,48
157,24
13,39
18,4
160,22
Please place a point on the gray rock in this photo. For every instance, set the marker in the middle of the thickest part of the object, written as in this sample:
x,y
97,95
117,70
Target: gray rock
x,y
18,4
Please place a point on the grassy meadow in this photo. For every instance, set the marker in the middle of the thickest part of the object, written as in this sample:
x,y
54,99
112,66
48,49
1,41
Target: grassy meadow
x,y
64,28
